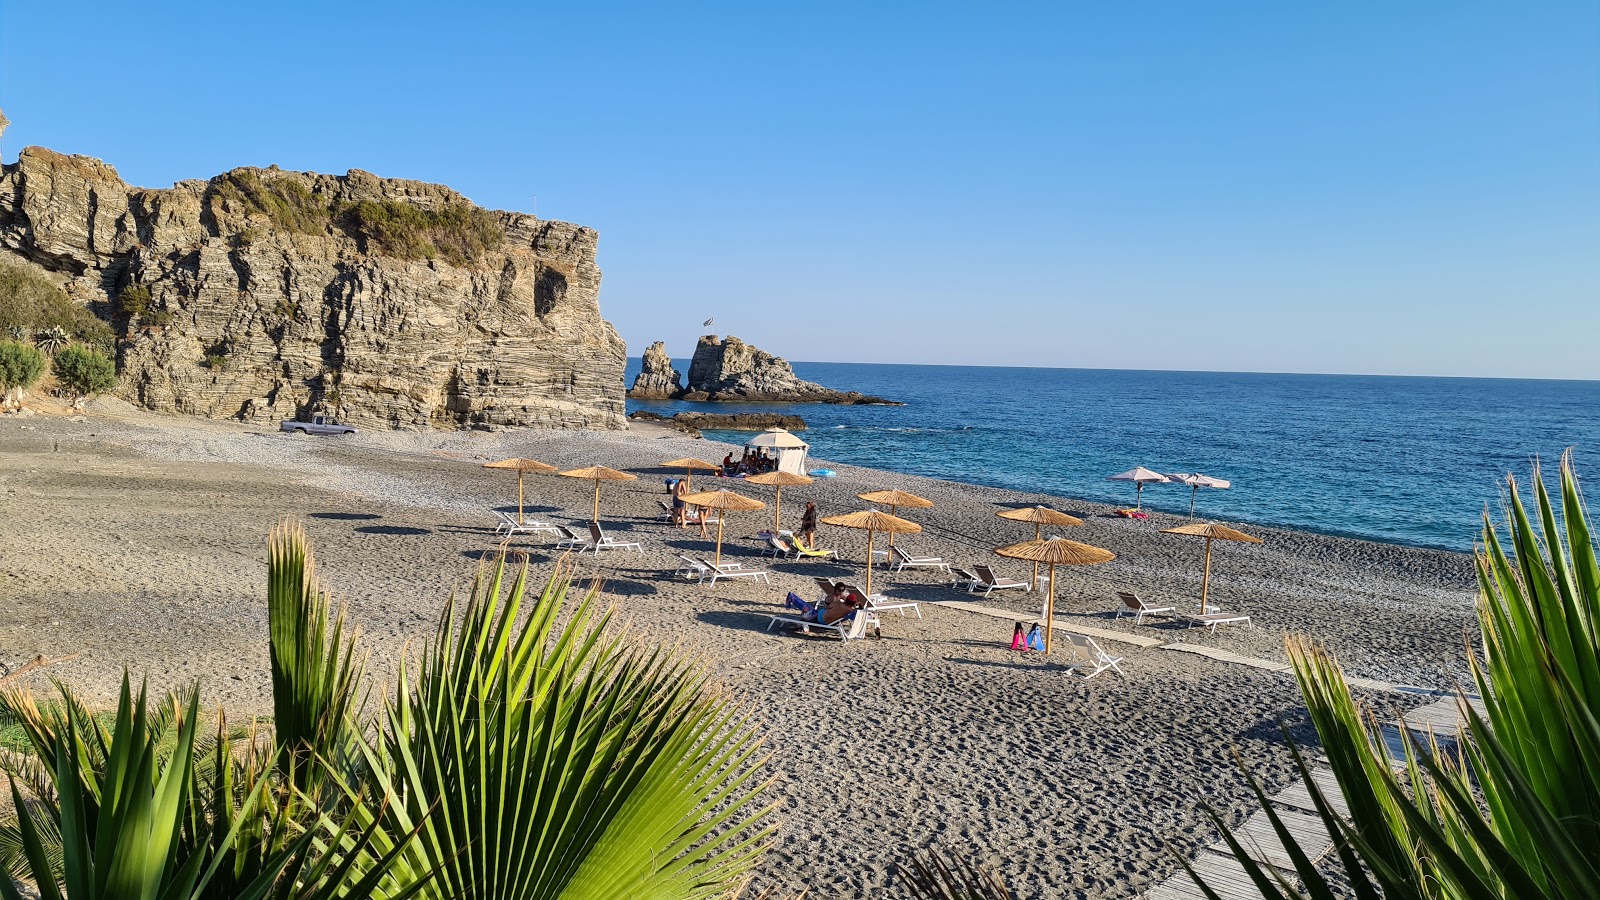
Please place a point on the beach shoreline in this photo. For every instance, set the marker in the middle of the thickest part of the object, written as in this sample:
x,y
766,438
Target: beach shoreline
x,y
138,540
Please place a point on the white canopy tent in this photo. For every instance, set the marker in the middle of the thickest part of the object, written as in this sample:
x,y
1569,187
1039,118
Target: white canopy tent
x,y
788,450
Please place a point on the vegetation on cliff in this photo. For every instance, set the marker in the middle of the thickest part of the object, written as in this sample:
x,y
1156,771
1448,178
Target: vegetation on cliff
x,y
84,371
31,304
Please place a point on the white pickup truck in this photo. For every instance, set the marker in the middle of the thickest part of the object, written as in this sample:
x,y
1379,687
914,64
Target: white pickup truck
x,y
317,425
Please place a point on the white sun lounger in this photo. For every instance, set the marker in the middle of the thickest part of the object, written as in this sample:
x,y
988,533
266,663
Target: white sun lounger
x,y
691,568
991,582
1086,654
964,580
851,629
880,603
1213,619
904,560
1132,604
599,540
571,540
729,570
509,525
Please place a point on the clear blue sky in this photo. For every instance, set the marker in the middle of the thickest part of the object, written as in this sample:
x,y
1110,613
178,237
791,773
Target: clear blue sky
x,y
1372,187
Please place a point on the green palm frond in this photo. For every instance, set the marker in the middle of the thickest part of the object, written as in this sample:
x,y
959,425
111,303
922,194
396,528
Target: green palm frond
x,y
562,761
1513,809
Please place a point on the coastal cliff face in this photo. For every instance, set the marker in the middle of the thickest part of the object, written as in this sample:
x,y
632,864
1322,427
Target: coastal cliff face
x,y
733,370
263,294
657,379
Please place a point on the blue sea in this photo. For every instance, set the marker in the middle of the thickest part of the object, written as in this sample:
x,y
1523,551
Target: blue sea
x,y
1400,459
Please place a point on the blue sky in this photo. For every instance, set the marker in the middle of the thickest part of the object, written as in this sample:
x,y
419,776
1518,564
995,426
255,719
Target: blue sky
x,y
1402,187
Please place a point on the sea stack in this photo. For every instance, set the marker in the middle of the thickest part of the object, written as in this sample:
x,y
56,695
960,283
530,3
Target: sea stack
x,y
657,379
731,370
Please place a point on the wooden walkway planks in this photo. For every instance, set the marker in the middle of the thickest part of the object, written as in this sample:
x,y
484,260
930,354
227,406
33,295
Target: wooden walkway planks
x,y
1261,840
1298,795
1222,874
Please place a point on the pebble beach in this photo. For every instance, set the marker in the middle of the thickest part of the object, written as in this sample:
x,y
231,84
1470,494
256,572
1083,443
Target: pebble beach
x,y
138,542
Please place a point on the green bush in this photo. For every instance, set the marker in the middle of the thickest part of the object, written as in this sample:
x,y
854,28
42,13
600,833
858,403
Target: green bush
x,y
160,318
134,301
84,371
20,365
285,201
460,233
31,303
214,361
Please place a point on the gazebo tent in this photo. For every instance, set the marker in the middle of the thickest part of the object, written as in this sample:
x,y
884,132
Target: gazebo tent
x,y
789,450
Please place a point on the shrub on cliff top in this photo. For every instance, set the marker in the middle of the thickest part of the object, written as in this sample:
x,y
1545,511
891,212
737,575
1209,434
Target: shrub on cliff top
x,y
284,201
84,372
20,366
31,303
460,233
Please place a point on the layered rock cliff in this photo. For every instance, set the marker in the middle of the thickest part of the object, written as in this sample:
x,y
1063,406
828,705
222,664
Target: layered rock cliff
x,y
263,294
657,379
733,370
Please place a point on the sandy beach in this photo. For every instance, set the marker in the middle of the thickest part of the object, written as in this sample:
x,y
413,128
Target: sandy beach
x,y
138,541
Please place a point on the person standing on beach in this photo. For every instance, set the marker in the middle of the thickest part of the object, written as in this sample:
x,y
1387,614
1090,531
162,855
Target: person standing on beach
x,y
678,506
808,526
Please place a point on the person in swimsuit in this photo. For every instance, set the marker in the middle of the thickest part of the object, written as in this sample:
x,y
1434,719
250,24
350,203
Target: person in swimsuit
x,y
808,526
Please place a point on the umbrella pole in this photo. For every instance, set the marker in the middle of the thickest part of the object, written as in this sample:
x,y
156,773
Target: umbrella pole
x,y
597,501
1205,580
1050,612
892,510
519,497
777,513
869,562
719,536
1138,495
1038,531
688,479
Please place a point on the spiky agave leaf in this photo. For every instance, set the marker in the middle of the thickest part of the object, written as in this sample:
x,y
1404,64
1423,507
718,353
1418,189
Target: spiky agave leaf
x,y
1516,812
562,760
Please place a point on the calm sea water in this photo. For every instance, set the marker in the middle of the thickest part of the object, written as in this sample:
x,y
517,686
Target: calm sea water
x,y
1409,460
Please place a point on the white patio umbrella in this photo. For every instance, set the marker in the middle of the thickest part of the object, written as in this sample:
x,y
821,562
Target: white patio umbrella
x,y
1140,476
1196,481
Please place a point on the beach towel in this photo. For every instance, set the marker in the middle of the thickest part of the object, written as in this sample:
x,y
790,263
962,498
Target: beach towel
x,y
795,602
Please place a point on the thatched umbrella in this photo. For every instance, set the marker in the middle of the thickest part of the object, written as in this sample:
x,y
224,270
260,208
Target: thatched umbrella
x,y
873,520
894,500
598,474
1040,516
1058,552
779,480
523,467
1140,476
724,501
689,467
1210,531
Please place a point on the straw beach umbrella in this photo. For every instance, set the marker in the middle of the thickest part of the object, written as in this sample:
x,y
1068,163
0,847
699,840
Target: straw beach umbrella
x,y
689,467
1040,516
873,521
894,500
779,480
1210,531
1058,552
1140,476
522,467
598,474
724,501
1196,481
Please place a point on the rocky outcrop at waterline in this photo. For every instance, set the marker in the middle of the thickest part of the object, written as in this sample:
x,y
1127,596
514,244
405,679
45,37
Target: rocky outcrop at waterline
x,y
692,423
657,379
264,294
731,371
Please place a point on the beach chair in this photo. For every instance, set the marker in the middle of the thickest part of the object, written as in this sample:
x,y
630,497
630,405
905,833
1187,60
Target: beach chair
x,y
964,580
691,568
729,570
602,541
792,548
1140,609
904,560
851,629
826,584
567,539
509,525
1213,619
1082,647
990,582
879,603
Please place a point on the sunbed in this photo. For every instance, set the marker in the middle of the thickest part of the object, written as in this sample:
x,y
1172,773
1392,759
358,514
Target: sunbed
x,y
850,629
788,548
1082,647
509,525
964,580
880,603
692,568
1213,619
601,541
1140,608
571,540
991,582
904,560
729,570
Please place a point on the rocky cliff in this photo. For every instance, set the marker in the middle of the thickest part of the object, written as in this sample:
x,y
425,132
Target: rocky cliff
x,y
262,294
733,370
657,379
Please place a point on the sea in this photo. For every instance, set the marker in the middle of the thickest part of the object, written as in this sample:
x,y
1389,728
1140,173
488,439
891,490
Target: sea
x,y
1406,460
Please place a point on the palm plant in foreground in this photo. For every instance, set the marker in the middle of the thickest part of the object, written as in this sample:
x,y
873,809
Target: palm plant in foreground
x,y
941,876
1514,810
562,760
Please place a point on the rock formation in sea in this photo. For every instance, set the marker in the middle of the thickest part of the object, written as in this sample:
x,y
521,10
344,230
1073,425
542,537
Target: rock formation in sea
x,y
263,294
730,370
657,379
